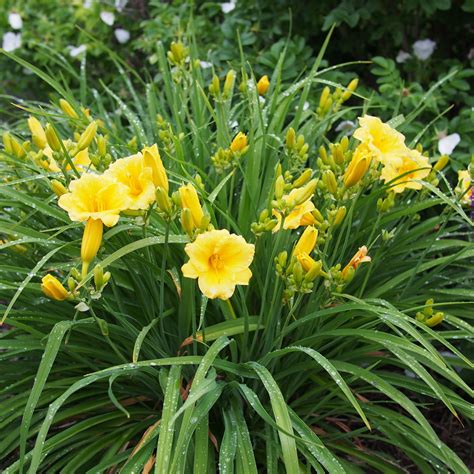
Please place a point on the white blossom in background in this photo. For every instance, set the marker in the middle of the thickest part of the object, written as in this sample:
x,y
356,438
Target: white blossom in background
x,y
87,4
11,41
346,126
120,5
122,35
402,56
15,21
306,106
446,145
423,49
227,7
75,51
107,17
205,64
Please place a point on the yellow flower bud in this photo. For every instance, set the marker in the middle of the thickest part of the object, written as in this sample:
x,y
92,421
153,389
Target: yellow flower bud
x,y
302,178
67,108
441,163
435,319
279,187
91,240
7,142
17,148
178,52
324,97
187,221
163,200
306,192
53,288
290,138
58,188
215,87
330,181
355,172
350,89
306,242
37,132
52,138
152,159
341,213
263,85
306,261
229,83
239,142
87,136
190,200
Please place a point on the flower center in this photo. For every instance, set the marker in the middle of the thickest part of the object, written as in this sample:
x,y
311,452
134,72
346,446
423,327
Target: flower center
x,y
215,261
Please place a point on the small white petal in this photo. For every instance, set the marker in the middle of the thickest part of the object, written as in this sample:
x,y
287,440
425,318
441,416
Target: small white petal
x,y
402,56
234,124
87,4
446,145
122,35
107,17
11,41
228,6
120,5
75,51
205,64
306,106
423,49
15,21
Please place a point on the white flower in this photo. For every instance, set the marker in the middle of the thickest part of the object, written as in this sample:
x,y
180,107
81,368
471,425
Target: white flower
x,y
75,51
122,35
11,41
87,4
306,106
205,64
347,126
107,17
446,145
228,6
120,5
423,49
402,56
15,21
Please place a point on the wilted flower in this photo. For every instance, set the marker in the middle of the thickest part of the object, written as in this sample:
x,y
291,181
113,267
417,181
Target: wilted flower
x,y
122,35
220,261
423,49
359,257
137,177
107,17
11,41
53,288
15,20
446,145
402,56
410,166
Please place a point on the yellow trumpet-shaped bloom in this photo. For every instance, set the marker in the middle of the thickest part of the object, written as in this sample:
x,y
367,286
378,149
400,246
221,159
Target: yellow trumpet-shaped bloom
x,y
152,158
190,200
306,242
97,197
410,166
239,142
53,288
358,165
300,216
263,85
37,132
133,173
220,261
359,257
382,140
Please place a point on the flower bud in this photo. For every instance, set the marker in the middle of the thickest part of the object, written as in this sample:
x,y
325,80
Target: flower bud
x,y
229,83
67,108
190,200
330,181
434,320
87,136
290,138
341,213
163,200
187,221
324,97
91,240
355,172
152,159
58,188
263,85
205,221
279,187
102,145
298,273
17,148
306,192
53,288
7,143
215,87
37,132
306,242
52,138
441,163
350,89
303,178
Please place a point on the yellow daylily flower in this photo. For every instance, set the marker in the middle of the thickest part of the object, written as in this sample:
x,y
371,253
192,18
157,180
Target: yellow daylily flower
x,y
464,187
239,142
263,85
190,200
152,158
53,288
383,140
411,165
300,216
97,197
133,173
306,242
359,257
220,261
